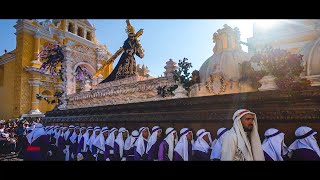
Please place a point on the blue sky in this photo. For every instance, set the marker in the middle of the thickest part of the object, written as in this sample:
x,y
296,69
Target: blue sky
x,y
163,39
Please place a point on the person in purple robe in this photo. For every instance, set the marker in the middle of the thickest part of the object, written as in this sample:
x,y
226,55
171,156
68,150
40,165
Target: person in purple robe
x,y
99,144
119,153
183,149
60,156
67,142
202,146
273,145
74,143
92,153
154,143
83,146
305,147
166,147
216,145
140,153
109,145
52,145
129,145
37,148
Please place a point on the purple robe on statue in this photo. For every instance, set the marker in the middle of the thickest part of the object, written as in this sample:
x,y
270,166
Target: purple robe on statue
x,y
153,152
38,149
304,154
144,157
163,151
177,156
201,156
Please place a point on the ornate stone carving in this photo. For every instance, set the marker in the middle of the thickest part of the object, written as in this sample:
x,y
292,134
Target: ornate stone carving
x,y
170,68
123,91
216,84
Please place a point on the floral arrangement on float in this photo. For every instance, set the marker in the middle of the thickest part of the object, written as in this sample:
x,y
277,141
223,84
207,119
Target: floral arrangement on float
x,y
51,56
280,66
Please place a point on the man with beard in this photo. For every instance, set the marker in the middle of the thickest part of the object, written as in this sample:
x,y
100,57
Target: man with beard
x,y
242,141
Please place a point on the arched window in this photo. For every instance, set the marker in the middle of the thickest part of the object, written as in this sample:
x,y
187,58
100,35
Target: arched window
x,y
80,31
89,36
71,27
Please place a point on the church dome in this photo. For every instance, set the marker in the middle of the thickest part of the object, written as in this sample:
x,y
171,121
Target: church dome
x,y
311,56
227,56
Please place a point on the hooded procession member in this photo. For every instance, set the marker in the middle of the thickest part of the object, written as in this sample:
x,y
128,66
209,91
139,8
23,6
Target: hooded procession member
x,y
37,148
183,149
166,147
140,153
273,145
305,147
92,156
119,153
202,146
100,143
154,143
68,143
242,141
129,145
109,152
216,146
83,147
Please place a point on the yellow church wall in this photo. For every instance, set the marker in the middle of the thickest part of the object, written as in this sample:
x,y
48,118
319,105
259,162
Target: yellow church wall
x,y
24,56
44,106
7,92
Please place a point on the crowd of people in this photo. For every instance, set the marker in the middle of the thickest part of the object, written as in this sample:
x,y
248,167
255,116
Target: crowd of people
x,y
239,143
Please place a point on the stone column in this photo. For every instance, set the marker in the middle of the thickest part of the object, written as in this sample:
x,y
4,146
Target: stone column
x,y
36,61
35,83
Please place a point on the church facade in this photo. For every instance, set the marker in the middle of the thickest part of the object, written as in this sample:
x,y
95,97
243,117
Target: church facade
x,y
20,77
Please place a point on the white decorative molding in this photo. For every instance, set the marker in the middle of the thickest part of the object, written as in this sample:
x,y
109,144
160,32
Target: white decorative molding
x,y
128,90
5,58
315,80
35,82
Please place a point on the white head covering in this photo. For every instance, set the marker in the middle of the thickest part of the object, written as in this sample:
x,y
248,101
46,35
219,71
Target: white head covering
x,y
171,141
36,133
305,139
111,138
140,147
217,144
67,133
86,138
201,144
80,135
131,140
253,150
93,137
74,137
273,144
99,142
153,138
119,140
182,145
